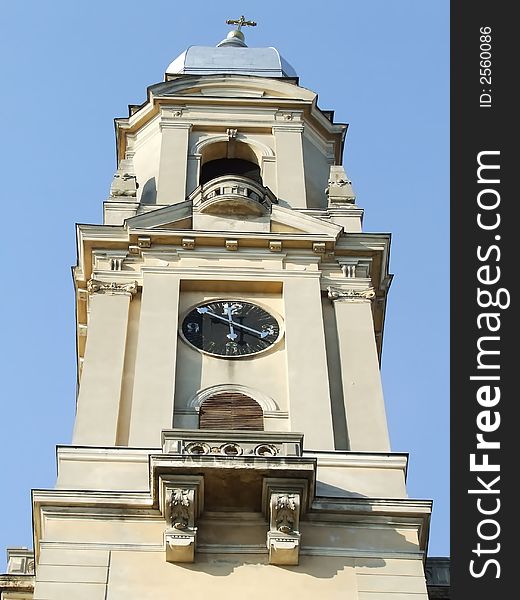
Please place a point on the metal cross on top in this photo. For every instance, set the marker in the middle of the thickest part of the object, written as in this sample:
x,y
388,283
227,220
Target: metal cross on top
x,y
241,22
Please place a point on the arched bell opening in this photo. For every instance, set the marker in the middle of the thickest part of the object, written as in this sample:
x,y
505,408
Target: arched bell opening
x,y
231,410
229,158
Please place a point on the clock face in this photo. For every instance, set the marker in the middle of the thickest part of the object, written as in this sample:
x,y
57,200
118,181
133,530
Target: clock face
x,y
230,328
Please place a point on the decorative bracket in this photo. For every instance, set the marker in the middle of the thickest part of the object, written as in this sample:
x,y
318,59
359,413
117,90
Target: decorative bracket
x,y
181,505
283,537
284,501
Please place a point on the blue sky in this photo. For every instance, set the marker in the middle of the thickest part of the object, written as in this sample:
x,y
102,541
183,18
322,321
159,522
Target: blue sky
x,y
69,68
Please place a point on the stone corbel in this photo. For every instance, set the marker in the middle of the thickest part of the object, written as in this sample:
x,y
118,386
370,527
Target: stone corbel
x,y
181,507
283,537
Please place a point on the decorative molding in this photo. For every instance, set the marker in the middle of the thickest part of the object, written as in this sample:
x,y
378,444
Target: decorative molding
x,y
354,268
263,150
199,442
266,402
231,449
351,295
348,271
180,508
116,264
188,243
282,115
288,128
113,288
232,245
285,510
167,124
20,561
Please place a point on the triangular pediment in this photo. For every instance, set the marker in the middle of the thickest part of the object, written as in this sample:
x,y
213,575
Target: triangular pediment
x,y
287,220
175,216
281,220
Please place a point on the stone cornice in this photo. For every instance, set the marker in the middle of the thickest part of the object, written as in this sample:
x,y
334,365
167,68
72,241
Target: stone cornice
x,y
172,124
376,512
16,583
290,128
176,93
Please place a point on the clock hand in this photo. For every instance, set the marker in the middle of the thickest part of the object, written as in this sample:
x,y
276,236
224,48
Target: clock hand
x,y
262,334
231,335
205,310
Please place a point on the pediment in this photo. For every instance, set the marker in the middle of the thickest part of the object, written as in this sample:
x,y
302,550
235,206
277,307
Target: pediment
x,y
231,85
287,220
280,220
175,216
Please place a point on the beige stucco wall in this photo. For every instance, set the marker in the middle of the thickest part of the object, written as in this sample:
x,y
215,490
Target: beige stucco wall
x,y
75,571
321,378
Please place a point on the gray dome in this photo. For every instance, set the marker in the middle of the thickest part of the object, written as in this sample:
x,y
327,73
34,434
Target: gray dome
x,y
233,58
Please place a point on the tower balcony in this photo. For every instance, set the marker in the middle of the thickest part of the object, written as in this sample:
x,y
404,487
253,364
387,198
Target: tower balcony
x,y
232,195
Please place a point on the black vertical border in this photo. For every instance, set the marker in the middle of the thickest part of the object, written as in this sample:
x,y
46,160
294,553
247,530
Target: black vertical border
x,y
475,129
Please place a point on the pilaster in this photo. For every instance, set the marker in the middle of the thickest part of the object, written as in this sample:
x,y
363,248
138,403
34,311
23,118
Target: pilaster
x,y
154,383
361,378
102,374
308,390
171,186
290,170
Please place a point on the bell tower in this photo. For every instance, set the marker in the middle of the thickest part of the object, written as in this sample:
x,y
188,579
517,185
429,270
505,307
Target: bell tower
x,y
230,435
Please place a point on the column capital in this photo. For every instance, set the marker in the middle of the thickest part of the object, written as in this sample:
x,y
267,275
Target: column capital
x,y
112,287
351,294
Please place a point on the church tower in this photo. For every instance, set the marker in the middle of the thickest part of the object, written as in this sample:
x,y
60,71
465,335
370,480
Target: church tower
x,y
230,437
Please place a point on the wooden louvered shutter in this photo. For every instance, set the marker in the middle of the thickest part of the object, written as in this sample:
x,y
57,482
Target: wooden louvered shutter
x,y
231,410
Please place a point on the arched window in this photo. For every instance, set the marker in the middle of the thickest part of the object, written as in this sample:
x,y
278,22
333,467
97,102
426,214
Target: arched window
x,y
231,410
229,158
229,166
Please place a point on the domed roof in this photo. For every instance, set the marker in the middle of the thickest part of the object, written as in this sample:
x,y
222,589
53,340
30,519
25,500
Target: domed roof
x,y
231,56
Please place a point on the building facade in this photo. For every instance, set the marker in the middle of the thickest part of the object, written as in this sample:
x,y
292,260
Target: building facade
x,y
230,435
